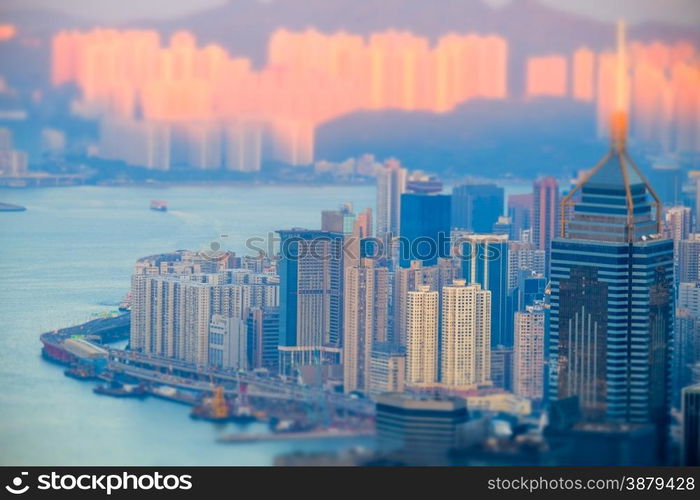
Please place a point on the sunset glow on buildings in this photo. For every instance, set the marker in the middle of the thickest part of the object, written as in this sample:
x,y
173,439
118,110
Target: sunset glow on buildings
x,y
310,78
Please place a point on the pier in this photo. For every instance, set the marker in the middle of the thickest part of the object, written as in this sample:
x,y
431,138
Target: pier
x,y
291,436
190,376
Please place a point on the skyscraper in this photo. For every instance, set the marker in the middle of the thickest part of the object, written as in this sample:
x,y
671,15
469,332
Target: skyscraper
x,y
686,351
391,184
545,214
476,207
531,288
677,223
311,285
502,367
366,303
528,353
263,328
422,337
172,311
338,221
408,280
484,260
612,296
612,292
465,336
689,297
425,228
667,178
689,259
523,257
520,212
504,226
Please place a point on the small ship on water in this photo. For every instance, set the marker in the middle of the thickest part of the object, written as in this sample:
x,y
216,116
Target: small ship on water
x,y
159,205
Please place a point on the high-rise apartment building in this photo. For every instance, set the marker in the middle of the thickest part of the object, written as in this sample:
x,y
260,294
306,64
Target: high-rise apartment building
x,y
391,184
545,213
465,336
366,303
422,337
228,343
686,351
677,227
689,297
408,280
528,353
689,259
174,297
677,223
484,260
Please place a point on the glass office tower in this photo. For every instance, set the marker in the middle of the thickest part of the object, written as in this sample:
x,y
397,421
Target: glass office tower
x,y
484,260
612,297
425,228
311,289
476,207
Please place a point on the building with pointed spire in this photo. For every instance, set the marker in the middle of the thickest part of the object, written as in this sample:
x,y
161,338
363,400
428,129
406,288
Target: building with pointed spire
x,y
612,293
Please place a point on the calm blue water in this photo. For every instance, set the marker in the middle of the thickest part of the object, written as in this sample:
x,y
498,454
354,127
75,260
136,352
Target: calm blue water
x,y
69,256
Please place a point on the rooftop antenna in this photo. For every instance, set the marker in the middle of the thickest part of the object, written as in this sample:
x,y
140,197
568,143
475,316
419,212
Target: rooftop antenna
x,y
618,126
618,144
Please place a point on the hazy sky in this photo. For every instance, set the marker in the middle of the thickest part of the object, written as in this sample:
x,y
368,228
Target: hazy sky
x,y
673,11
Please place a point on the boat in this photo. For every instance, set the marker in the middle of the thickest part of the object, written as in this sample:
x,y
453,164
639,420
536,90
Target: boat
x,y
172,394
159,205
243,414
80,372
9,207
118,390
215,408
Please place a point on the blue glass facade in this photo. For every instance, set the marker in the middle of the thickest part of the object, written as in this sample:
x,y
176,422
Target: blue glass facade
x,y
625,302
484,260
425,228
612,300
476,207
311,286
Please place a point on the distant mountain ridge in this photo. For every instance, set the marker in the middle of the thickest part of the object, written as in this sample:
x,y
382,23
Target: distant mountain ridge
x,y
531,28
244,26
481,137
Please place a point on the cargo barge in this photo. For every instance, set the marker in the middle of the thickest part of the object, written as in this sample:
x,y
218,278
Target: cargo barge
x,y
118,390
